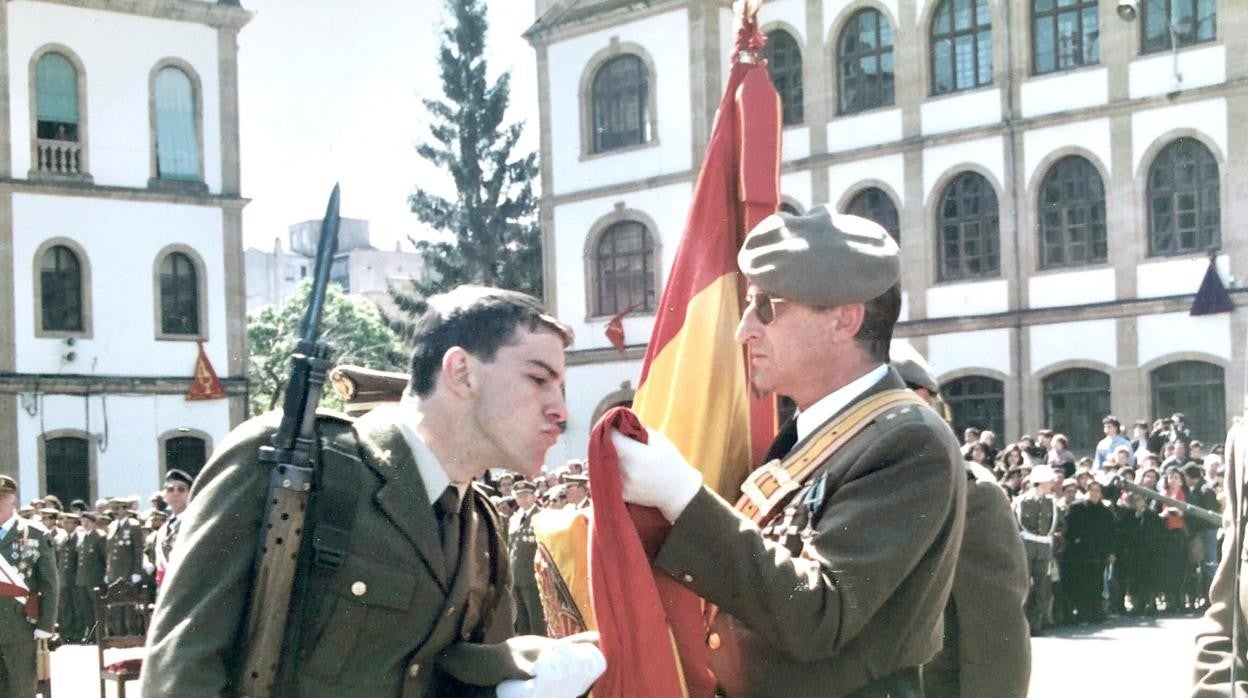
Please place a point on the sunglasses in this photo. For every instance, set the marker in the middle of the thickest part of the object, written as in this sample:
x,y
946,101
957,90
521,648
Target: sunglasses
x,y
175,488
763,305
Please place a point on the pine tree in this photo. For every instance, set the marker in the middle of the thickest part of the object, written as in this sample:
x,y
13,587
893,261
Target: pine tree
x,y
492,219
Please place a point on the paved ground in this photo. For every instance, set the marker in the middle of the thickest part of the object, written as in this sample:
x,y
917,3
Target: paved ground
x,y
1136,657
1125,657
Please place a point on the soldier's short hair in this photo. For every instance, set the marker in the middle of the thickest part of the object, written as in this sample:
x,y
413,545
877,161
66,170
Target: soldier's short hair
x,y
480,320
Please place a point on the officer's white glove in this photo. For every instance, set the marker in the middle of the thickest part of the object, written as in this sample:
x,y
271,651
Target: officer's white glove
x,y
656,474
42,634
148,566
566,669
136,578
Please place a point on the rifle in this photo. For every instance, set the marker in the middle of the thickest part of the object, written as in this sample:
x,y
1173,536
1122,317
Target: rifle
x,y
290,484
1188,509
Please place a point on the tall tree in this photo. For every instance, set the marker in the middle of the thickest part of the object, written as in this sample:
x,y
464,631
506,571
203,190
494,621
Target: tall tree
x,y
354,327
492,219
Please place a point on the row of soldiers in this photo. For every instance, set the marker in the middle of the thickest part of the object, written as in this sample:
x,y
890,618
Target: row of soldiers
x,y
98,548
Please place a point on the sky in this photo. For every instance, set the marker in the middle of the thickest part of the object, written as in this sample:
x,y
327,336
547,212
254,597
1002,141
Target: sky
x,y
330,91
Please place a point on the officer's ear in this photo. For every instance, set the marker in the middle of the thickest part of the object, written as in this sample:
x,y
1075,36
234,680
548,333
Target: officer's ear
x,y
458,374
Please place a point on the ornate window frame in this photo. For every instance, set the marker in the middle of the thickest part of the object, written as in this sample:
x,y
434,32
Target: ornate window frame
x,y
585,97
201,290
197,95
84,272
84,130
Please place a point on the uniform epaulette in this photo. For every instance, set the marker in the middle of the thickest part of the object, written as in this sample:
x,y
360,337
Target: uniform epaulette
x,y
905,412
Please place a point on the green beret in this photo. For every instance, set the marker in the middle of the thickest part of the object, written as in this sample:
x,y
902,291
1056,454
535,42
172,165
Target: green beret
x,y
821,259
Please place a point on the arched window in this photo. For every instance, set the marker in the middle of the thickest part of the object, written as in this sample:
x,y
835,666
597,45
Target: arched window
x,y
1188,22
961,46
56,98
620,95
624,262
784,65
1075,401
177,135
186,453
67,467
1072,215
969,229
873,204
976,401
1065,34
58,148
1184,200
179,295
864,59
60,290
1198,390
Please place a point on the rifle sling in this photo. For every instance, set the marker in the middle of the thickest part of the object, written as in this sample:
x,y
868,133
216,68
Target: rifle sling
x,y
333,512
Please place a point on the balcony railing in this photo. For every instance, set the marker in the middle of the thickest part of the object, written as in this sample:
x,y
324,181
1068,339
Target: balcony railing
x,y
58,157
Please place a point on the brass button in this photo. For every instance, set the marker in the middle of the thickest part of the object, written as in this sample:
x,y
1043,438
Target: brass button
x,y
450,611
413,670
688,578
713,641
359,588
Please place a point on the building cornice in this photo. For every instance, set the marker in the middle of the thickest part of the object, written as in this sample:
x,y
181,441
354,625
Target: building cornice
x,y
96,191
562,23
605,355
213,14
81,384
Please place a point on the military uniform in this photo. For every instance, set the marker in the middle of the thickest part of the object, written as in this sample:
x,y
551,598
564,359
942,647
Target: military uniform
x,y
124,551
530,619
1040,520
987,651
843,592
69,625
1217,657
393,620
90,574
27,548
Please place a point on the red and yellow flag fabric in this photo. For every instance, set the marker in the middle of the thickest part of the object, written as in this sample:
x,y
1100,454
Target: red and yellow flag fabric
x,y
693,385
205,385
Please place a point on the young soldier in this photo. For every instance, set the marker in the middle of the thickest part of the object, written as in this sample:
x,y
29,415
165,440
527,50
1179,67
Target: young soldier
x,y
420,604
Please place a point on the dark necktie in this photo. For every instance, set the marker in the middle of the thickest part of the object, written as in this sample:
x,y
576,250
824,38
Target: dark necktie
x,y
447,510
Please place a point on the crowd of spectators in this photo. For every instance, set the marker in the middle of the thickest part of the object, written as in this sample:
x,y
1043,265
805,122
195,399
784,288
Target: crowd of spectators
x,y
1100,538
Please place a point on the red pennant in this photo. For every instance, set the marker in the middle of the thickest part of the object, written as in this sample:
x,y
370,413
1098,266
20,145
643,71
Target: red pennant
x,y
205,385
615,328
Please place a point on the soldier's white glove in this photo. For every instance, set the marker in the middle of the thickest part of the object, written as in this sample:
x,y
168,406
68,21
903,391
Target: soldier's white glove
x,y
566,669
148,566
656,474
136,578
42,634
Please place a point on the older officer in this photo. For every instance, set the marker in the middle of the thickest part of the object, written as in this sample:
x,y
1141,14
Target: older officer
x,y
530,620
842,590
1221,645
29,564
421,604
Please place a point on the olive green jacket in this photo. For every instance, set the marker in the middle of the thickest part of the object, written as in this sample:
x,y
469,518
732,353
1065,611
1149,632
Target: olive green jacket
x,y
389,622
28,549
1225,617
859,594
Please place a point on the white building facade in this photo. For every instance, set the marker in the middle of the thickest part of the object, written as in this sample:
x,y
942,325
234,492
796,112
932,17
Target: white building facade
x,y
1056,178
121,222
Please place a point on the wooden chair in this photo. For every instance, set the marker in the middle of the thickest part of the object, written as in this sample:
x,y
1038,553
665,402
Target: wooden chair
x,y
123,612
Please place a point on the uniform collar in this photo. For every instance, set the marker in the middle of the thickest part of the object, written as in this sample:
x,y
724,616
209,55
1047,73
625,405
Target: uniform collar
x,y
432,474
827,406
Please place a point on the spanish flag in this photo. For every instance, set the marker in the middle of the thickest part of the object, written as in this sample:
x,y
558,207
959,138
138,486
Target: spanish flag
x,y
693,384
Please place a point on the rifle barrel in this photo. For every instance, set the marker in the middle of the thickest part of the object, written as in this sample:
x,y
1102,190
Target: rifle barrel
x,y
1198,512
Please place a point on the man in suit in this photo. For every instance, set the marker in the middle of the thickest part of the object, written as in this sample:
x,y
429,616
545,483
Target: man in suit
x,y
92,558
1221,643
28,605
421,603
530,620
842,590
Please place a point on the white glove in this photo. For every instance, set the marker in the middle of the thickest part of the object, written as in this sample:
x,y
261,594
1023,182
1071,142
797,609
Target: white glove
x,y
148,567
566,669
656,474
136,578
42,634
